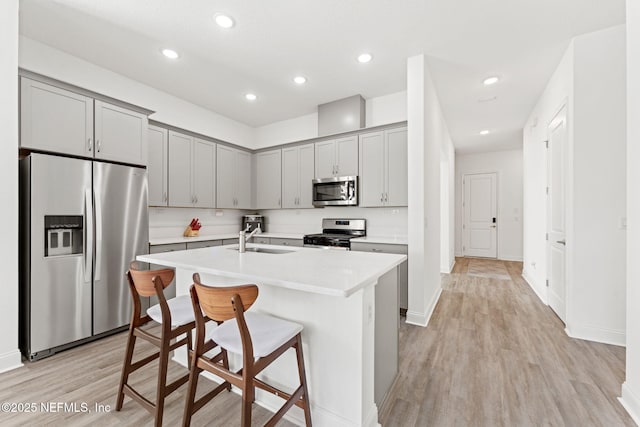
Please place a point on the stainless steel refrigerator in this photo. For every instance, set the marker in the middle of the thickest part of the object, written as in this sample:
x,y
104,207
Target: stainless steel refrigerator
x,y
82,223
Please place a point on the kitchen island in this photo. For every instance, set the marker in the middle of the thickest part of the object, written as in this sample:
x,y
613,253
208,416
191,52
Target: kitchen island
x,y
347,303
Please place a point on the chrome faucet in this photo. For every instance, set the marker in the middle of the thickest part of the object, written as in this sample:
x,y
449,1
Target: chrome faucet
x,y
243,237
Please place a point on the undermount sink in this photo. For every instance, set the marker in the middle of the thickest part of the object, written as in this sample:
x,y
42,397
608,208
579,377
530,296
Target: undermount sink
x,y
265,250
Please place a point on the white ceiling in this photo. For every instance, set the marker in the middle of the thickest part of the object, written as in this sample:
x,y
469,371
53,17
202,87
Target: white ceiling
x,y
521,41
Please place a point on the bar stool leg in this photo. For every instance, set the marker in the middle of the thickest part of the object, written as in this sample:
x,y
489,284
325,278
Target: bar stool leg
x,y
225,363
124,378
194,374
162,382
248,396
189,349
303,380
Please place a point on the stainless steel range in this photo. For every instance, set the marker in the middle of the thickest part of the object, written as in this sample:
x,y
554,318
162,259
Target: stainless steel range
x,y
337,233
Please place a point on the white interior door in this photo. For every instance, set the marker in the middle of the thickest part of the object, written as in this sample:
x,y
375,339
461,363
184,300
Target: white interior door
x,y
480,218
556,243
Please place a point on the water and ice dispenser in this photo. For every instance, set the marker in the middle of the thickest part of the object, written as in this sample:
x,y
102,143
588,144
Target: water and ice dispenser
x,y
63,235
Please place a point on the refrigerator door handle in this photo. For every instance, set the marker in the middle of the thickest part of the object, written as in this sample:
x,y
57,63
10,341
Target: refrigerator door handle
x,y
98,210
88,235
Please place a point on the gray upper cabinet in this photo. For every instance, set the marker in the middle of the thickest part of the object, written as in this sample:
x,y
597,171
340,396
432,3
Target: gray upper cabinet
x,y
338,157
297,174
233,181
120,134
192,178
397,164
180,173
204,174
269,180
383,168
56,120
158,166
61,121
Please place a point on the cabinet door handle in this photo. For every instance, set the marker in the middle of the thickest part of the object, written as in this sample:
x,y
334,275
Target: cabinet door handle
x,y
375,250
98,145
337,169
279,204
89,144
381,197
285,243
196,197
386,197
164,197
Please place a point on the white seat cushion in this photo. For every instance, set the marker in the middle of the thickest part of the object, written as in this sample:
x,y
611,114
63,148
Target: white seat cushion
x,y
267,333
180,308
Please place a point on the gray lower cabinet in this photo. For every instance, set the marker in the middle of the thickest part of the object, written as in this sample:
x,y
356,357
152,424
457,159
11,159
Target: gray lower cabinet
x,y
169,291
230,241
277,241
286,242
261,240
403,269
204,244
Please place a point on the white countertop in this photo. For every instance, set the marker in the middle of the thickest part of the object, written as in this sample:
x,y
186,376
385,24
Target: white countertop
x,y
387,240
204,237
318,271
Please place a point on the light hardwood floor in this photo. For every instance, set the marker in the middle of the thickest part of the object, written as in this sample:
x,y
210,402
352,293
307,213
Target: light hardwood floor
x,y
492,355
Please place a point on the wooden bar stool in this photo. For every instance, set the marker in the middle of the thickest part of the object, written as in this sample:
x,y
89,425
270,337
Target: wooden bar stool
x,y
175,317
259,338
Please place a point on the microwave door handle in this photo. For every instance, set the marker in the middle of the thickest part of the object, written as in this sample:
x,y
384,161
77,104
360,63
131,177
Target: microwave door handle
x,y
88,235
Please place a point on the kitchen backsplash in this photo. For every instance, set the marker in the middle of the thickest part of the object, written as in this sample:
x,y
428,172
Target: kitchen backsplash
x,y
170,222
380,221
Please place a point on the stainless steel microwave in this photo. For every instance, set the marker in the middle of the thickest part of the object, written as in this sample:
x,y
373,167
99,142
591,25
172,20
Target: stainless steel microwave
x,y
336,191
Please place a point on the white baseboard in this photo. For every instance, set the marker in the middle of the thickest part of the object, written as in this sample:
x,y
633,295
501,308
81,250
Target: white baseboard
x,y
540,291
422,319
510,258
630,402
10,361
444,269
601,335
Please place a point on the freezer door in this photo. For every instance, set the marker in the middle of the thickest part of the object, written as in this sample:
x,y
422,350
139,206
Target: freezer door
x,y
58,288
121,233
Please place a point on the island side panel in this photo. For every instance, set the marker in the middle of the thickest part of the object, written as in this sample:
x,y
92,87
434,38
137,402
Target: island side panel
x,y
387,322
338,344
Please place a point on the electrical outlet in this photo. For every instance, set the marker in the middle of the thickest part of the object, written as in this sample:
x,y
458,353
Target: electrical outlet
x,y
219,213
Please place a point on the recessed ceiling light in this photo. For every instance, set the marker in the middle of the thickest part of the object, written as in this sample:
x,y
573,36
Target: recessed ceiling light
x,y
300,80
251,97
365,57
484,132
171,54
491,80
224,21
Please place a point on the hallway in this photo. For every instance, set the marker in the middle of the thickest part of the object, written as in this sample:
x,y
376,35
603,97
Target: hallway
x,y
494,355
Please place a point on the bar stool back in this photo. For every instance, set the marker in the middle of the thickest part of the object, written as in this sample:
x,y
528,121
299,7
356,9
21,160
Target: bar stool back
x,y
259,338
175,317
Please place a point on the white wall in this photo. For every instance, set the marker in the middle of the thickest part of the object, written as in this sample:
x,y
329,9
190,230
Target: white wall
x,y
590,80
426,130
447,203
386,109
508,166
391,222
596,292
631,387
558,92
45,60
379,111
9,353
